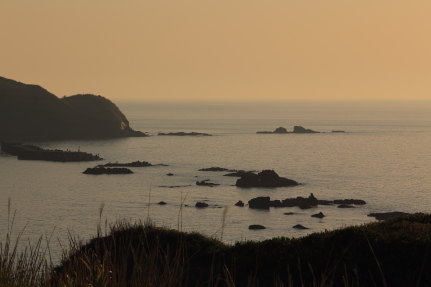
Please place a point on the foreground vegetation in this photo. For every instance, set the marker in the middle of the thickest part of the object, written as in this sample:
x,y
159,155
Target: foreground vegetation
x,y
391,253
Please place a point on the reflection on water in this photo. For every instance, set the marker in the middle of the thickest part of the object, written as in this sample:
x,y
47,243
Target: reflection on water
x,y
384,159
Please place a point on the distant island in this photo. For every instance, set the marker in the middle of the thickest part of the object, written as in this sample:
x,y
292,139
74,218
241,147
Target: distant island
x,y
29,112
184,134
296,130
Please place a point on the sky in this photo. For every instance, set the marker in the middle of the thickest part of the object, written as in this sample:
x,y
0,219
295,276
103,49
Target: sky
x,y
221,49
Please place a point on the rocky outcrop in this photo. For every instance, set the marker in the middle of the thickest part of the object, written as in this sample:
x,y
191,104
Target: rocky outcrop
x,y
107,170
279,130
350,201
261,202
296,130
302,130
29,112
265,202
131,164
265,178
184,134
31,152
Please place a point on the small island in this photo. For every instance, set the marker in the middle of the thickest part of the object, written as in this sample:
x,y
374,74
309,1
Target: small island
x,y
107,170
131,164
32,152
296,130
265,178
181,134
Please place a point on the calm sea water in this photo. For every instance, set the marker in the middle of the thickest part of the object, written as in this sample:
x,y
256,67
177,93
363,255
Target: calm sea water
x,y
384,158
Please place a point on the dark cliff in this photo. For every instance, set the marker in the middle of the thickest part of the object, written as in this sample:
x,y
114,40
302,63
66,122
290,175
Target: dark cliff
x,y
29,112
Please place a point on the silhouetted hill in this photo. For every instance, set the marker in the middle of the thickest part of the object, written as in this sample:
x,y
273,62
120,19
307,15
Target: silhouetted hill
x,y
29,112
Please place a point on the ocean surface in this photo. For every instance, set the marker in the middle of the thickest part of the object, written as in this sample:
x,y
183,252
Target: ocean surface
x,y
383,158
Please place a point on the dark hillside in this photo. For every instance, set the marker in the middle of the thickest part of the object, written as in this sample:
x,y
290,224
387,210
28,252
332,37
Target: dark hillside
x,y
29,112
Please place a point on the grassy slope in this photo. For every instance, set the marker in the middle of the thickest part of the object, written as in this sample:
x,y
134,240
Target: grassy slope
x,y
392,253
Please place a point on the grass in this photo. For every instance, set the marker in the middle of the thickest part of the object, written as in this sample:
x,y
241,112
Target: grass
x,y
390,253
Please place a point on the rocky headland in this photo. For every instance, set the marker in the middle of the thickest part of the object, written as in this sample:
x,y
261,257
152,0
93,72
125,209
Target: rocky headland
x,y
29,112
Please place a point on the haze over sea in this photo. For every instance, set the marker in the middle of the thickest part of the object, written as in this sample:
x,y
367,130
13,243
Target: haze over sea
x,y
383,158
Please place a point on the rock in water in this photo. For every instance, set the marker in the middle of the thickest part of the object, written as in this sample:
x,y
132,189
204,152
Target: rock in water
x,y
107,170
216,168
350,201
256,227
318,215
206,183
265,178
280,130
261,202
239,203
299,226
302,130
200,204
184,134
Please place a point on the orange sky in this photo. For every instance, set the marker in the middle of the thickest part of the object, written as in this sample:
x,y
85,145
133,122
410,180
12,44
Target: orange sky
x,y
220,49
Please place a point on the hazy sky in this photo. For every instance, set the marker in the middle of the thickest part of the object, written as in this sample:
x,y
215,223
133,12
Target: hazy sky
x,y
220,49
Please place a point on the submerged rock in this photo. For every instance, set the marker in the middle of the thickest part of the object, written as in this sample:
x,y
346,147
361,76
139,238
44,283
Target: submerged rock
x,y
107,170
256,227
345,206
387,215
216,168
299,226
265,178
161,203
170,174
206,183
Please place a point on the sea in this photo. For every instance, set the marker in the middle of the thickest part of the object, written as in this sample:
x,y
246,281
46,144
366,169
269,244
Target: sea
x,y
383,157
